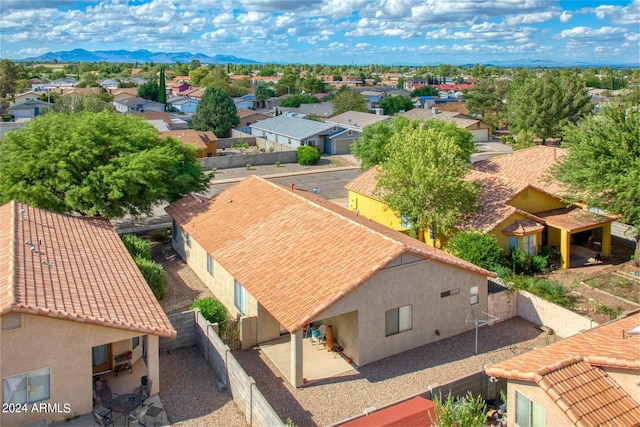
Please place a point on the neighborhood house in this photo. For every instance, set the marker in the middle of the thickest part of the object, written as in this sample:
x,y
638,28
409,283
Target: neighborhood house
x,y
73,307
283,259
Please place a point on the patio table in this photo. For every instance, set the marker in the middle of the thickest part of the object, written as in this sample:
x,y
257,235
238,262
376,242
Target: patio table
x,y
126,403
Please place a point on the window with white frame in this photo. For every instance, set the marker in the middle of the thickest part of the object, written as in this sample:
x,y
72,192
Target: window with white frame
x,y
210,264
528,412
398,320
29,387
188,240
239,297
529,244
475,295
135,342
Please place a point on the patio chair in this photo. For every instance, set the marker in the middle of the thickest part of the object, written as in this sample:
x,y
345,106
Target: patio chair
x,y
317,336
139,415
102,420
103,391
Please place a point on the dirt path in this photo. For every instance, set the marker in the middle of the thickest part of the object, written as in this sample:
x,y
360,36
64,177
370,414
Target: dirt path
x,y
184,286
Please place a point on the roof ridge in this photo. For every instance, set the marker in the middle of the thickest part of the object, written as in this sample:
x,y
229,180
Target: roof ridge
x,y
546,370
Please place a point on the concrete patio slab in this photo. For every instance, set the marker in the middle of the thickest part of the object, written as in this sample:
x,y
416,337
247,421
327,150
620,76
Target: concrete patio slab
x,y
318,363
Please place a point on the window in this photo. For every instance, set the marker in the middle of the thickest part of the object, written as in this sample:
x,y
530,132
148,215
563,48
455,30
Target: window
x,y
135,342
29,387
449,293
188,240
11,321
174,231
529,244
238,296
398,320
405,222
528,412
513,243
475,296
432,232
209,264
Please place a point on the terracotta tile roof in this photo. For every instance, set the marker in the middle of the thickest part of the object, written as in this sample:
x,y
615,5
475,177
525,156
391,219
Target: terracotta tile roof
x,y
198,139
73,268
522,227
588,396
572,218
365,184
529,165
603,346
417,412
293,251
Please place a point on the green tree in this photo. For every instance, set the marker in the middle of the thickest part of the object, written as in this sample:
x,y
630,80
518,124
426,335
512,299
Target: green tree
x,y
313,85
396,104
481,249
196,75
307,155
423,179
425,91
545,104
104,164
485,101
602,164
162,91
216,112
371,147
348,100
467,411
149,90
262,93
9,75
296,100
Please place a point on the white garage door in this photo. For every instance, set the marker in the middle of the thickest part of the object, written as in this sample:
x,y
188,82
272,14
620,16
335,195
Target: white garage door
x,y
480,135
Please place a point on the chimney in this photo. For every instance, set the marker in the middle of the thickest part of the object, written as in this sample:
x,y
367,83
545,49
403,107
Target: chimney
x,y
293,186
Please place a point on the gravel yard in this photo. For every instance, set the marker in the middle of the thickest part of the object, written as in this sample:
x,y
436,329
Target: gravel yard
x,y
391,379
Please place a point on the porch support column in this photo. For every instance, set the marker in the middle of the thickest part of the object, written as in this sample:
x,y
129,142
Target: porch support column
x,y
296,359
606,240
153,362
565,248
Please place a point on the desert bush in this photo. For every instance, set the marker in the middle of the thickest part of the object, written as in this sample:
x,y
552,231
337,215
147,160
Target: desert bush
x,y
137,247
481,249
155,276
549,290
307,155
212,310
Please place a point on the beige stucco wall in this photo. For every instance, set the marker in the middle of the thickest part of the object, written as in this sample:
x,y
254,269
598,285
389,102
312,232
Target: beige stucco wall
x,y
64,347
553,415
419,285
627,379
221,283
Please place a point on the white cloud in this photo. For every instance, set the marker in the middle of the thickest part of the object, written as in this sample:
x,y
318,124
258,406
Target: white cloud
x,y
587,34
565,17
628,15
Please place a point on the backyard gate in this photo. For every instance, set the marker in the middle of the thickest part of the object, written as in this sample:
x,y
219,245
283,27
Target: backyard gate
x,y
231,333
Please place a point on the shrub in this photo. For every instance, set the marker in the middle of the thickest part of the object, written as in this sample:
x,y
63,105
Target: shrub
x,y
606,310
481,249
212,310
248,166
155,276
137,247
277,163
519,261
549,290
159,235
464,411
307,155
538,263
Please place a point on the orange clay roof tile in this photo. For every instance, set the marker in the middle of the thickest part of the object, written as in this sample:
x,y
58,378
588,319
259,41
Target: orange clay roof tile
x,y
569,371
73,268
293,251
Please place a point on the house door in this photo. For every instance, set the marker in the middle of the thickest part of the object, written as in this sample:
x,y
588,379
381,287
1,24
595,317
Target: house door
x,y
101,358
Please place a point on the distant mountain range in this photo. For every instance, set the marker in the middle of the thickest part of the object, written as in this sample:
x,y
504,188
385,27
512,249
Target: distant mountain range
x,y
141,56
144,56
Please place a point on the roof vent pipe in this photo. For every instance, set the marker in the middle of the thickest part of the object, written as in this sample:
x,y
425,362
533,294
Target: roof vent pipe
x,y
293,186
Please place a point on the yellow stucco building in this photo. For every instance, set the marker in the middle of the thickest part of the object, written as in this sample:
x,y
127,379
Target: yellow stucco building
x,y
518,204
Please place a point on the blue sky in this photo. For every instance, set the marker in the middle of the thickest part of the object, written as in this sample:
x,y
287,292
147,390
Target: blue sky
x,y
332,31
